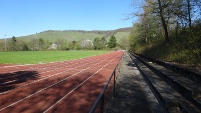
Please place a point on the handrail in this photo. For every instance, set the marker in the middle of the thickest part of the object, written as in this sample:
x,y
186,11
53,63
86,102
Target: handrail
x,y
101,95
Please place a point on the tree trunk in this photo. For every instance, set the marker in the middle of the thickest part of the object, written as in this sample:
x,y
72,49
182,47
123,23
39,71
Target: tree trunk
x,y
176,29
163,21
189,13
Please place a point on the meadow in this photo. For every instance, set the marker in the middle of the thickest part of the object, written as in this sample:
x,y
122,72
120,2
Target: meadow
x,y
35,57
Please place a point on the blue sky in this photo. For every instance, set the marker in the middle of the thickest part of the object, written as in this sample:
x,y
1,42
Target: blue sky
x,y
25,17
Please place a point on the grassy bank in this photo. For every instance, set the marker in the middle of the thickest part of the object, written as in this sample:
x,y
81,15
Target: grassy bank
x,y
34,57
185,48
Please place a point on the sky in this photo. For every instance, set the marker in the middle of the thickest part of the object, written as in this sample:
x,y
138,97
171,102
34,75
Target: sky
x,y
26,17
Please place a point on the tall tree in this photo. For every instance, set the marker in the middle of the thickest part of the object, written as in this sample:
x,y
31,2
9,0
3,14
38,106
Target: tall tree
x,y
2,44
13,43
189,13
167,18
112,42
124,43
33,44
161,13
62,44
22,46
41,44
154,17
47,44
97,43
75,45
103,42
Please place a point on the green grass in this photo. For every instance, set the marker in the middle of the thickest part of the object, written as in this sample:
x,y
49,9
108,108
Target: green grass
x,y
34,57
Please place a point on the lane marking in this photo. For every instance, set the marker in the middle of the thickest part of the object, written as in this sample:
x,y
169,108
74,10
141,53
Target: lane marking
x,y
35,80
43,78
39,67
47,87
76,87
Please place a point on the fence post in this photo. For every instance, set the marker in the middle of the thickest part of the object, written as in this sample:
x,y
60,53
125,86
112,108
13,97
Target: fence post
x,y
114,82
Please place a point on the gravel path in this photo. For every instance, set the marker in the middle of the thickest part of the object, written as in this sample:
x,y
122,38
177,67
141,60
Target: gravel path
x,y
133,95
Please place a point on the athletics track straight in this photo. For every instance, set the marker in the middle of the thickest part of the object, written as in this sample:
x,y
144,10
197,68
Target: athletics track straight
x,y
60,87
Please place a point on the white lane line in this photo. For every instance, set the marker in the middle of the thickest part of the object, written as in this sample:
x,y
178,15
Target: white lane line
x,y
43,67
47,64
39,73
76,87
40,67
45,78
35,64
47,87
50,66
16,65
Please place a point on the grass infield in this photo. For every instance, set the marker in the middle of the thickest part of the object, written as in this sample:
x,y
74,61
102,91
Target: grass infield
x,y
34,57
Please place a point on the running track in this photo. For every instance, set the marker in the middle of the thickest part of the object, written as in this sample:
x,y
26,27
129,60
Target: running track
x,y
61,87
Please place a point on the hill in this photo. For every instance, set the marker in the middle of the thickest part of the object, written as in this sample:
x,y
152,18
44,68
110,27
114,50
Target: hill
x,y
77,35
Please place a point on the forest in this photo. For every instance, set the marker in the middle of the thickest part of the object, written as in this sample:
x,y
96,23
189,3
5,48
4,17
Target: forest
x,y
169,30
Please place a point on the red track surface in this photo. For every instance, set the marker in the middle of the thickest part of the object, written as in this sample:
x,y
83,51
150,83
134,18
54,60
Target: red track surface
x,y
62,87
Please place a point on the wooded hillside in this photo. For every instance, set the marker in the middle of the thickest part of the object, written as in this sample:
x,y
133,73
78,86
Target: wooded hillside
x,y
66,40
169,30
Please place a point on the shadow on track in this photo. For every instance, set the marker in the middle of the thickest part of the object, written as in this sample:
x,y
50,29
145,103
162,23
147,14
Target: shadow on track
x,y
9,81
70,96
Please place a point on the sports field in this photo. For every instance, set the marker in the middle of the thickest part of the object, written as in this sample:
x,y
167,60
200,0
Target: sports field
x,y
34,57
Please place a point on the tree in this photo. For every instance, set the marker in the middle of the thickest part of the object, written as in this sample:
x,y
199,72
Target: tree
x,y
41,44
86,44
14,39
2,46
47,44
112,42
189,13
149,25
124,43
97,43
62,44
25,47
22,46
13,43
162,20
75,45
161,13
33,44
103,42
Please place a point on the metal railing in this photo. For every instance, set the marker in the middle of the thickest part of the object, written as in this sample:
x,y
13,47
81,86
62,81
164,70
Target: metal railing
x,y
101,95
